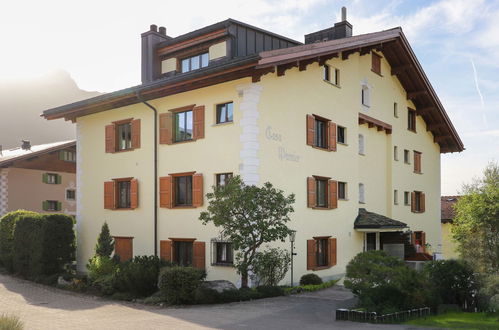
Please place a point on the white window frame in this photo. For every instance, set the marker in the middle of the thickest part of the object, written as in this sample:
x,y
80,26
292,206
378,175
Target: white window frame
x,y
362,145
362,193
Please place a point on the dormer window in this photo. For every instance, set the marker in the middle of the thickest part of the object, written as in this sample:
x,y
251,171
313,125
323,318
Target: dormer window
x,y
195,62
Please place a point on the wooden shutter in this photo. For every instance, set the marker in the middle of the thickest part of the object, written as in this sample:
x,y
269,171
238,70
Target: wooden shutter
x,y
376,63
110,138
198,122
59,206
311,256
58,179
45,205
331,130
165,192
109,201
199,258
311,192
165,128
332,251
135,133
422,202
123,246
45,177
423,241
413,238
197,190
134,193
333,194
413,201
165,250
417,162
310,130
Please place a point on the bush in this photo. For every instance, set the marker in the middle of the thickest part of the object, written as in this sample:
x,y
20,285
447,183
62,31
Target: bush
x,y
308,279
10,322
27,242
100,266
270,266
488,295
179,284
385,284
105,243
267,291
105,284
452,281
7,225
139,276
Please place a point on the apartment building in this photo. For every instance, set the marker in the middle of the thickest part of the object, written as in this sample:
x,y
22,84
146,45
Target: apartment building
x,y
349,124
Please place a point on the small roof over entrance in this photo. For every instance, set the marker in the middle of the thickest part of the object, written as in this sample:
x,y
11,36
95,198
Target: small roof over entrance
x,y
370,221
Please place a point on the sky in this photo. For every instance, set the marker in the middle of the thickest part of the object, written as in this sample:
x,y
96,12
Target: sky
x,y
98,43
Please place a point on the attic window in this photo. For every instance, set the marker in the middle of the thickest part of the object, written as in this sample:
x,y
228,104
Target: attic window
x,y
195,62
376,63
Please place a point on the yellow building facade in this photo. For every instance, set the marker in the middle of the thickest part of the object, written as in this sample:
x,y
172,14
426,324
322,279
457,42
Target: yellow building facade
x,y
279,111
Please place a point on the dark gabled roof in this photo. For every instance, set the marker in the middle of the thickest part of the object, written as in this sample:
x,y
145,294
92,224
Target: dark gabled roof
x,y
371,220
8,157
447,212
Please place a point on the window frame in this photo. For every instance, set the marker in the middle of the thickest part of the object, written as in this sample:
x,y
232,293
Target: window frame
x,y
322,242
128,199
187,191
128,137
342,190
227,176
331,75
325,195
395,153
325,134
218,108
229,251
52,178
395,110
175,127
185,243
362,193
407,157
418,196
362,145
395,197
366,96
73,191
344,134
407,198
190,59
52,203
67,156
411,120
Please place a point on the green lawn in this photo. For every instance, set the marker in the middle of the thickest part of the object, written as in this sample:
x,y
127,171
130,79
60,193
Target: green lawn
x,y
460,321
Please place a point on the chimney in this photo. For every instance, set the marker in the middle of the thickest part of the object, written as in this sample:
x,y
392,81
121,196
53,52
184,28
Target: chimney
x,y
26,145
340,30
150,61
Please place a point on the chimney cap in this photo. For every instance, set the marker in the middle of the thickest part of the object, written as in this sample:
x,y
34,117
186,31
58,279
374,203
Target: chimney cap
x,y
26,145
162,30
153,27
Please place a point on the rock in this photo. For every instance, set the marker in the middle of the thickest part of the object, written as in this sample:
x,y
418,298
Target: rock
x,y
62,282
218,285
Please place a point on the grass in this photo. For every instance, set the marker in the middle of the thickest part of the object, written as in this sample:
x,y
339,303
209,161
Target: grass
x,y
310,287
460,320
10,322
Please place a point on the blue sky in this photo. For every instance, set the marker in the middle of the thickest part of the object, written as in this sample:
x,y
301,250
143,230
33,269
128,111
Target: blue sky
x,y
98,43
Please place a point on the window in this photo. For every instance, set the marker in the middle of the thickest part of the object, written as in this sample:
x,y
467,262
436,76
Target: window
x,y
417,202
341,135
51,178
411,120
223,253
195,62
361,145
182,253
342,190
407,157
322,193
225,113
366,96
417,162
376,63
362,197
406,198
321,133
321,253
395,197
183,190
395,110
51,206
395,153
332,75
222,179
121,194
67,156
419,241
370,242
70,194
122,135
183,126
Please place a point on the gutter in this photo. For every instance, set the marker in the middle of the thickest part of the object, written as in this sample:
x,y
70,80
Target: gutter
x,y
140,99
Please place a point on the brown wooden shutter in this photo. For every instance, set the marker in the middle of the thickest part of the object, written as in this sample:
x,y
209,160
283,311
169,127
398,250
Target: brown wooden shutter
x,y
417,162
109,200
110,138
332,252
134,193
311,257
197,190
310,130
422,202
333,194
413,238
199,255
165,192
165,128
413,201
123,246
376,63
423,241
331,129
198,122
311,191
136,133
165,250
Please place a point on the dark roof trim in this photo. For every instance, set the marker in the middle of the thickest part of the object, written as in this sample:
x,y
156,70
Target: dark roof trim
x,y
9,161
371,220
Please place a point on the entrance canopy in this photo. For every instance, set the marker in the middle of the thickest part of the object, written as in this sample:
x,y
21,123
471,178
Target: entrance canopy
x,y
373,222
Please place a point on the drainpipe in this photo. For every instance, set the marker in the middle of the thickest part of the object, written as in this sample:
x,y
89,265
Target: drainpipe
x,y
139,97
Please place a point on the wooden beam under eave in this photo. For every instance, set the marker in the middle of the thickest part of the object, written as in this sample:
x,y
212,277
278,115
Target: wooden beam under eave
x,y
302,65
379,127
365,50
370,125
400,69
324,59
261,72
361,121
431,127
346,53
440,138
420,111
281,69
414,94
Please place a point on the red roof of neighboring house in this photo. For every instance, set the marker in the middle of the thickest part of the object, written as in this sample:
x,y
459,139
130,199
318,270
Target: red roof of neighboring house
x,y
447,208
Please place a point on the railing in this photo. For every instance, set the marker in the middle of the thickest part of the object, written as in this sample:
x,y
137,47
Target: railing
x,y
373,317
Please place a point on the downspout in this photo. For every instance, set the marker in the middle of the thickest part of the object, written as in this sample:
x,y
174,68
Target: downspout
x,y
139,97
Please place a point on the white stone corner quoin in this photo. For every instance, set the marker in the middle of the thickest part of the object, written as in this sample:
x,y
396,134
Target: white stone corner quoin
x,y
250,162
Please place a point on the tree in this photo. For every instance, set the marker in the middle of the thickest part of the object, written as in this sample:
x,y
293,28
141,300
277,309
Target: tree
x,y
248,216
270,266
476,224
105,243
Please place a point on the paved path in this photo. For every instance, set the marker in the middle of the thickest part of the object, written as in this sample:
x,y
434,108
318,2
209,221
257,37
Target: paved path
x,y
42,307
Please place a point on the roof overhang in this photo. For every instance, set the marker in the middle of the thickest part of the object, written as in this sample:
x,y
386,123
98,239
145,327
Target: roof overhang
x,y
373,222
8,162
